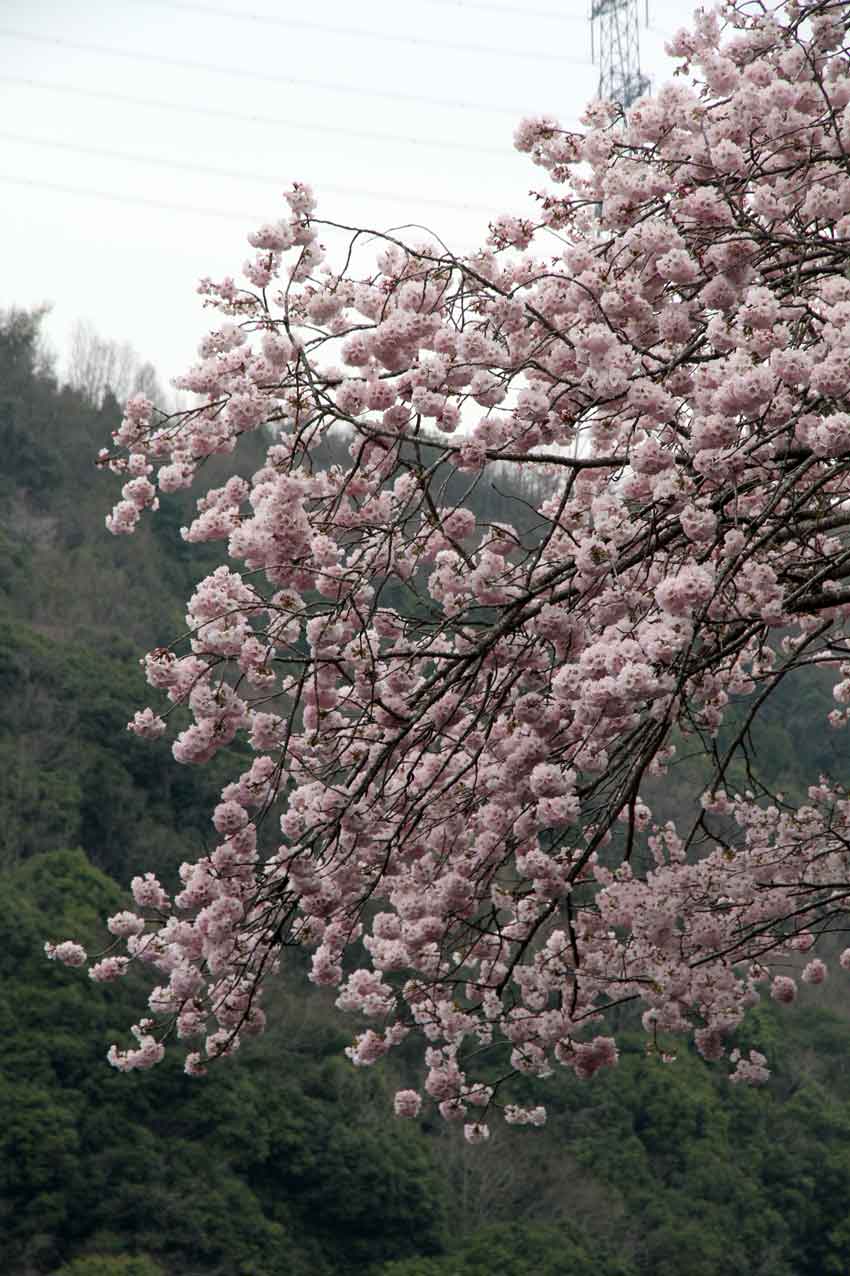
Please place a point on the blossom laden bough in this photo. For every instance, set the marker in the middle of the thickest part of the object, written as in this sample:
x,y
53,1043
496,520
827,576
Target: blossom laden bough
x,y
453,721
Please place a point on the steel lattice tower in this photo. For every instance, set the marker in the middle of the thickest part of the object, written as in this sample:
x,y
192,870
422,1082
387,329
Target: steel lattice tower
x,y
615,44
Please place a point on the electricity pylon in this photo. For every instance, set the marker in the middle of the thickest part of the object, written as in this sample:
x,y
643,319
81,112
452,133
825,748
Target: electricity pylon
x,y
614,43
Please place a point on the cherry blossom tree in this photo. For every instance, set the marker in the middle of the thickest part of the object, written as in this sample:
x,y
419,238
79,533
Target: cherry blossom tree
x,y
454,722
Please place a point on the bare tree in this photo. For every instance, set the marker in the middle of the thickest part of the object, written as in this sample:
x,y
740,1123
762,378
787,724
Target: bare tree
x,y
97,365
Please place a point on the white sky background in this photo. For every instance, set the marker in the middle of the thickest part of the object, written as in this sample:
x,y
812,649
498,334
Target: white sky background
x,y
343,96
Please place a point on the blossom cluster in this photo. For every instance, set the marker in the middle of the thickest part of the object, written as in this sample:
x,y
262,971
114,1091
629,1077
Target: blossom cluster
x,y
456,724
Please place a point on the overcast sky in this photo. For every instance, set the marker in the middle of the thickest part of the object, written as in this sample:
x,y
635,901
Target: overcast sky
x,y
142,139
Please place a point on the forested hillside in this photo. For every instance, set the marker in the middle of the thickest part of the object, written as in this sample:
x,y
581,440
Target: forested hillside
x,y
286,1160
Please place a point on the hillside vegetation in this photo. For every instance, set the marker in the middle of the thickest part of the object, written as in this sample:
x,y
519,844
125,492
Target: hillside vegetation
x,y
286,1160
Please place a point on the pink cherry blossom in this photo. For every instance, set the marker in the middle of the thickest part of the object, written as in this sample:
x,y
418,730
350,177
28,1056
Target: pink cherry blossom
x,y
67,953
457,725
814,972
407,1103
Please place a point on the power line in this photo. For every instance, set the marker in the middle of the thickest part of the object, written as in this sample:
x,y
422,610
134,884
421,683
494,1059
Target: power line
x,y
358,33
276,121
209,170
216,68
113,197
510,10
90,192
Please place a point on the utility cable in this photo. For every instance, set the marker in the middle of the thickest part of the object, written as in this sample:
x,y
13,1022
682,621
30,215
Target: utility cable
x,y
271,120
255,76
360,33
208,170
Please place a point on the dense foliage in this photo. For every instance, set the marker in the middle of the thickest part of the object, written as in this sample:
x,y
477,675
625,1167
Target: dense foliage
x,y
291,1163
302,1176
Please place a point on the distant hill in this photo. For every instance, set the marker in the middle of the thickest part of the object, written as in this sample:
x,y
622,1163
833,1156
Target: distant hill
x,y
287,1161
